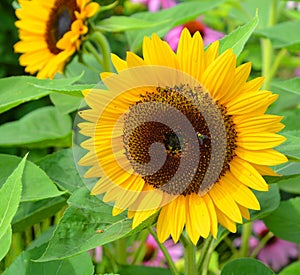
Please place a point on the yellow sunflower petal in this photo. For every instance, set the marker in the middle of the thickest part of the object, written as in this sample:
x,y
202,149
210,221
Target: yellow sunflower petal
x,y
259,141
239,192
119,63
224,201
225,221
163,225
212,214
198,218
262,157
265,170
247,174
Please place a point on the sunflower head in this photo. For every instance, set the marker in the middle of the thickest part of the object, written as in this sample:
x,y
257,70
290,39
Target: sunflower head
x,y
50,33
181,134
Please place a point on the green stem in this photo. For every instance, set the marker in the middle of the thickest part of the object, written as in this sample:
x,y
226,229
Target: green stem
x,y
91,49
276,63
103,45
205,255
262,244
112,260
267,49
137,256
163,249
121,251
190,267
246,233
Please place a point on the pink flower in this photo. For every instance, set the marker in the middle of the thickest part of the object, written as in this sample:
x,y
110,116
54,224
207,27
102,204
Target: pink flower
x,y
277,252
209,35
155,257
155,5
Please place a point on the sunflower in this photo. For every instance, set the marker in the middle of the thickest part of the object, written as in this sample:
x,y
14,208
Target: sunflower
x,y
50,33
183,135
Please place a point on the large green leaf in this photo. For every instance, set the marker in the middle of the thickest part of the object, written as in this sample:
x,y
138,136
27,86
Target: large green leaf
x,y
23,265
16,90
284,222
290,184
291,147
5,241
291,269
246,266
291,85
269,201
238,38
10,195
66,103
36,184
40,128
176,15
61,168
283,35
30,213
78,229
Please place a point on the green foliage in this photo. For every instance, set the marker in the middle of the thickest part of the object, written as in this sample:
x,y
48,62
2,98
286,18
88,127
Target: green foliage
x,y
36,184
167,20
78,229
44,127
289,212
23,265
237,39
48,219
10,195
292,269
247,266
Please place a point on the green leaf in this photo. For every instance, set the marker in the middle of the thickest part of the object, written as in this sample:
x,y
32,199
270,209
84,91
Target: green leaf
x,y
78,229
71,90
290,184
61,168
238,38
145,270
269,201
30,213
5,241
284,222
36,184
44,127
23,265
124,23
283,35
66,103
291,269
16,90
290,86
176,15
244,10
291,147
10,195
246,266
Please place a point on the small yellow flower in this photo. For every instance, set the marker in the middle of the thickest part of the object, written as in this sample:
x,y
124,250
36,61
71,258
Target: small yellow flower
x,y
50,33
181,134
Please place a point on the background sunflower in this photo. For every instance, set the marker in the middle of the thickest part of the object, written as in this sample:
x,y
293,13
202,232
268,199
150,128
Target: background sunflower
x,y
50,33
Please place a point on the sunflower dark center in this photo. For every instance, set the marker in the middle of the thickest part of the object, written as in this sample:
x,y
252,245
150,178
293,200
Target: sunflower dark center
x,y
143,129
59,22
